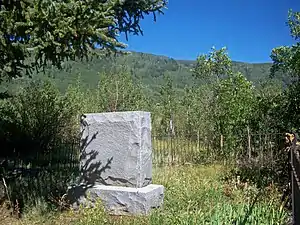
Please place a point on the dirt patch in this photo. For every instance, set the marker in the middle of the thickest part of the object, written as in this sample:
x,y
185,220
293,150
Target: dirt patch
x,y
6,215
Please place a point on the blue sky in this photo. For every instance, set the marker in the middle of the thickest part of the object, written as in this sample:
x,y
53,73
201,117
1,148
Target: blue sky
x,y
248,28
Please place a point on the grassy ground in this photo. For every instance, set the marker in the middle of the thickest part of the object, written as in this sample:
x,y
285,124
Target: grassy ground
x,y
193,195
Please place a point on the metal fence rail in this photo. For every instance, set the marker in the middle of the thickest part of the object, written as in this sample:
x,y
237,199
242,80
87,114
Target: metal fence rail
x,y
166,150
170,150
45,172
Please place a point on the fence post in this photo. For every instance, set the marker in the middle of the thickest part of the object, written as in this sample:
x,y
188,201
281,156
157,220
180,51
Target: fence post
x,y
249,142
222,144
198,141
172,149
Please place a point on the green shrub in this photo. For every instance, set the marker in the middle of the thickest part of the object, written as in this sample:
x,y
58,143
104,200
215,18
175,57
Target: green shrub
x,y
262,170
37,141
34,119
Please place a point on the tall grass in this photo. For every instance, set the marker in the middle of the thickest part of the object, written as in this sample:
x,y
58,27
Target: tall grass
x,y
193,195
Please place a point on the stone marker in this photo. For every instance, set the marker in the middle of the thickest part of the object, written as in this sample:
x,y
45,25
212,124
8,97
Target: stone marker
x,y
116,163
123,137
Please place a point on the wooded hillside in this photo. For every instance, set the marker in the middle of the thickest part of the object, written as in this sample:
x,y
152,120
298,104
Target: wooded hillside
x,y
147,68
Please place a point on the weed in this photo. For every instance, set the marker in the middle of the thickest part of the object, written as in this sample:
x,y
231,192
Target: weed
x,y
193,195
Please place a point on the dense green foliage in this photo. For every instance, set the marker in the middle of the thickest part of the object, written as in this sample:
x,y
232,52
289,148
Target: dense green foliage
x,y
34,120
287,59
226,106
35,33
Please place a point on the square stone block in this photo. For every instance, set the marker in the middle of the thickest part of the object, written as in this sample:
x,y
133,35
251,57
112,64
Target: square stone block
x,y
116,149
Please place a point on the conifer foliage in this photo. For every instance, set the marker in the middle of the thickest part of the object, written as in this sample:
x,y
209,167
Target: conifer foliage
x,y
34,33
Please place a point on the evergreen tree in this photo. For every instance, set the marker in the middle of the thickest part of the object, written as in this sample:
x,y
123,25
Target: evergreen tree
x,y
34,33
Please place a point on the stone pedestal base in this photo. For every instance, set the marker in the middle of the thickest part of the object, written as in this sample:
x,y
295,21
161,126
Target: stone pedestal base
x,y
124,200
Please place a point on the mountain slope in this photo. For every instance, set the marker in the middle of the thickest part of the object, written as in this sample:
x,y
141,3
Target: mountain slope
x,y
148,68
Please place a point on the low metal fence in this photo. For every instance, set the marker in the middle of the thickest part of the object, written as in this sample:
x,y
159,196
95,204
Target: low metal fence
x,y
54,169
45,172
170,150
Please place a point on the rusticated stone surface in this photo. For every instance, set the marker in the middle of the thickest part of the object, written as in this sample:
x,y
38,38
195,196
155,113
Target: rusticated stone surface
x,y
123,200
116,164
117,149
